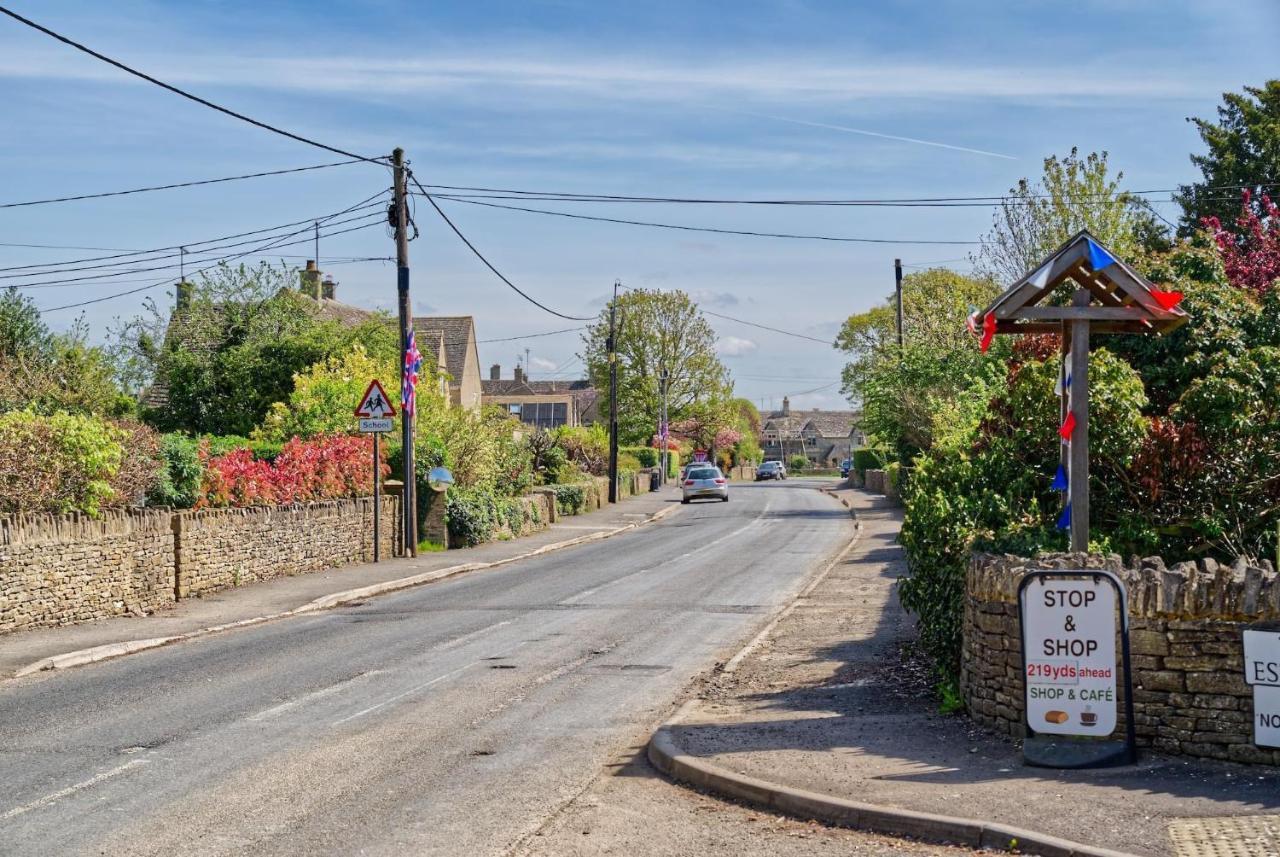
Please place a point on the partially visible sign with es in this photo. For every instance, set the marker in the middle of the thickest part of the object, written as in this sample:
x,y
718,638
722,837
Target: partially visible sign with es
x,y
1262,670
1069,654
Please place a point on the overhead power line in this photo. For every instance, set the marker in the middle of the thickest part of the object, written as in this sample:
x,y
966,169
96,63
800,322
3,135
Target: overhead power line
x,y
182,92
173,186
767,327
459,192
254,251
532,335
719,231
134,257
489,265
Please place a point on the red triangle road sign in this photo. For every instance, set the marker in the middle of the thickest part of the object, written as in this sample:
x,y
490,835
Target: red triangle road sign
x,y
374,403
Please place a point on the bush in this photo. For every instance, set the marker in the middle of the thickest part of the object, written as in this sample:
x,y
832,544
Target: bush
x,y
570,499
178,485
264,450
646,455
59,463
587,447
865,458
323,468
798,463
628,463
472,515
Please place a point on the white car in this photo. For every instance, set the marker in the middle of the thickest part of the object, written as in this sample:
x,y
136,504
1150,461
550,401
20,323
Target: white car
x,y
704,482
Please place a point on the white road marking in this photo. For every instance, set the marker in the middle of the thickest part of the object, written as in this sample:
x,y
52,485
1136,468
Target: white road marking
x,y
575,599
70,790
409,692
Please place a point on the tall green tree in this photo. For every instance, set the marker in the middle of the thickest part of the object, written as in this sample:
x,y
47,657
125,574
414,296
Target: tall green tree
x,y
1243,152
657,329
901,390
1074,193
234,348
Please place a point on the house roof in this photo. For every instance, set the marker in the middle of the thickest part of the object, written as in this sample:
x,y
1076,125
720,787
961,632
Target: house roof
x,y
825,423
456,331
584,395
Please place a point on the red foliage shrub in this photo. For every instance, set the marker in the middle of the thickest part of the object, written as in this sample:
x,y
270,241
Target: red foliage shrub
x,y
1250,255
322,468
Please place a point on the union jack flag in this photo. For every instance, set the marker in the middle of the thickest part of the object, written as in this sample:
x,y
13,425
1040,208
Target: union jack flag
x,y
409,383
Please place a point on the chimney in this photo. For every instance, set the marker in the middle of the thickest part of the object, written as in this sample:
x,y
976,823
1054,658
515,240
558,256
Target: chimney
x,y
519,373
182,295
309,280
328,288
495,372
786,406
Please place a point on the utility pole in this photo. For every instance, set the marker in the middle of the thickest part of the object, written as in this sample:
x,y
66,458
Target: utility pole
x,y
613,395
664,377
897,278
401,224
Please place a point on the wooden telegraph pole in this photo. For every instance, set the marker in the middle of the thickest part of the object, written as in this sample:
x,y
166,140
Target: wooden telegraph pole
x,y
401,225
613,395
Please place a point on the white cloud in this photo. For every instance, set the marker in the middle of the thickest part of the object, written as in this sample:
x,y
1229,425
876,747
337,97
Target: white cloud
x,y
733,346
542,364
714,298
784,80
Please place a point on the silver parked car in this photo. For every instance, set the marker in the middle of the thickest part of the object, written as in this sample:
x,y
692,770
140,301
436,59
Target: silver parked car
x,y
771,470
705,481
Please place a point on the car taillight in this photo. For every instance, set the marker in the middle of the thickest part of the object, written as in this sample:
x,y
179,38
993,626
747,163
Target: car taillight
x,y
719,481
688,482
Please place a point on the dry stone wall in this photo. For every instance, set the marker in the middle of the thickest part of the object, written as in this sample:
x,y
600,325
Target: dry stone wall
x,y
219,548
1189,693
62,569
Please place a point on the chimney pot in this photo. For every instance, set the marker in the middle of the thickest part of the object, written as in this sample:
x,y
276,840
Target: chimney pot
x,y
519,373
786,405
329,288
495,372
182,295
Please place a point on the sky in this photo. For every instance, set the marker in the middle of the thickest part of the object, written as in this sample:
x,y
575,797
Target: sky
x,y
744,99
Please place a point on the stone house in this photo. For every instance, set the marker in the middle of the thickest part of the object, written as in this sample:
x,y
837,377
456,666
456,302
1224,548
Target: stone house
x,y
824,437
543,404
451,342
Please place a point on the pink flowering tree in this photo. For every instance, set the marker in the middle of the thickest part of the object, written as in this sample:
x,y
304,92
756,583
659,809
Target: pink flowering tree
x,y
1251,253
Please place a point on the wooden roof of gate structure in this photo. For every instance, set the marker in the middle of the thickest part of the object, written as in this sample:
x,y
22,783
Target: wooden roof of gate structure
x,y
1121,299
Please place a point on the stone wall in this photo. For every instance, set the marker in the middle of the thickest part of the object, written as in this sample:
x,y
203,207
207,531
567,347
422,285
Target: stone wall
x,y
1189,694
62,569
219,548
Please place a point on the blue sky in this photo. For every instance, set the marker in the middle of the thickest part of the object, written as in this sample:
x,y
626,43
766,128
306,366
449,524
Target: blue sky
x,y
734,99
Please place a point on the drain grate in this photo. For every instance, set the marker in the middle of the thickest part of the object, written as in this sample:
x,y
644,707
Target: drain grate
x,y
1234,836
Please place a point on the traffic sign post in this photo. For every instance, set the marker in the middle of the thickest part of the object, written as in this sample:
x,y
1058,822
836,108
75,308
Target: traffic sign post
x,y
376,415
1069,669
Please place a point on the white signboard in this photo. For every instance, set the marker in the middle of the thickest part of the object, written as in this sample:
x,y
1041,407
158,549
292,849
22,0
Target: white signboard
x,y
1262,670
1069,640
376,424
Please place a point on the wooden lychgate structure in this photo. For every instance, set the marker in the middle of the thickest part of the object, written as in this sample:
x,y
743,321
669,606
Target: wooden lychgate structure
x,y
1082,288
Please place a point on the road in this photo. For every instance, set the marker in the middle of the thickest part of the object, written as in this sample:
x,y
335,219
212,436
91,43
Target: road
x,y
457,718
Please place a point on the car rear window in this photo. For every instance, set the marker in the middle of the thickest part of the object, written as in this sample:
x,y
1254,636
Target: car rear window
x,y
704,473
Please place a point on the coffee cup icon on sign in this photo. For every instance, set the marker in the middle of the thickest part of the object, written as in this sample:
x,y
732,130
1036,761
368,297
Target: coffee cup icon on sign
x,y
1088,717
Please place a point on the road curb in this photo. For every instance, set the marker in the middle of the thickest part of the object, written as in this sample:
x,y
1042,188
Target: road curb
x,y
81,657
665,754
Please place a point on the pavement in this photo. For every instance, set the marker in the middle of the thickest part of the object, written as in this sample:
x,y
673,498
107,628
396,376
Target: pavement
x,y
466,717
51,648
830,715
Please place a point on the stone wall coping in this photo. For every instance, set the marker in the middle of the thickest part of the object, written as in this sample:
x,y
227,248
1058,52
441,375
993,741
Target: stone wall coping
x,y
1203,589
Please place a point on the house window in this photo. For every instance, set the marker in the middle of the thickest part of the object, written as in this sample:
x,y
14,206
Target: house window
x,y
514,409
545,415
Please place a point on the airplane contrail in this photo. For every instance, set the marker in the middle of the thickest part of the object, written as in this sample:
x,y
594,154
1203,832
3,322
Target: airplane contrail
x,y
865,133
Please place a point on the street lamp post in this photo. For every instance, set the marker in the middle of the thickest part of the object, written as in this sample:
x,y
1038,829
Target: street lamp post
x,y
664,376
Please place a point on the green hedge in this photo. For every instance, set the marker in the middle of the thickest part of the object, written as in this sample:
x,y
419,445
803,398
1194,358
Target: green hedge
x,y
178,485
263,450
866,458
646,455
570,499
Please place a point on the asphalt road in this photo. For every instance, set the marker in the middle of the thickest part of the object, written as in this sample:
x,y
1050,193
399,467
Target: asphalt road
x,y
457,718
